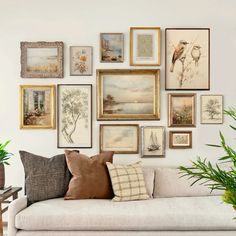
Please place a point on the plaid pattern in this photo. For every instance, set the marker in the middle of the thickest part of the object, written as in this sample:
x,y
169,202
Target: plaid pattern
x,y
127,182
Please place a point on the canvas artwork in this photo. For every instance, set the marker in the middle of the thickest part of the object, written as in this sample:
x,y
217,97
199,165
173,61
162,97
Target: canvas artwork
x,y
188,59
128,94
119,138
180,139
80,60
211,109
112,47
181,110
42,59
153,141
74,115
37,106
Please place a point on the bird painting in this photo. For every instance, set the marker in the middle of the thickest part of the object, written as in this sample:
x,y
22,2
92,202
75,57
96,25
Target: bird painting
x,y
179,50
196,54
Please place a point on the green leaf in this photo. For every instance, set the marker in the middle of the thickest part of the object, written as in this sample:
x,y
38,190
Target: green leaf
x,y
213,145
234,128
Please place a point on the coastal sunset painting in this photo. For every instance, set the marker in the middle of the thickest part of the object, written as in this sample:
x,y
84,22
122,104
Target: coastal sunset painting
x,y
128,95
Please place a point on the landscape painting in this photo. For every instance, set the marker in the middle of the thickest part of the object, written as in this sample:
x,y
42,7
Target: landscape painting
x,y
123,139
42,59
112,47
128,94
153,141
211,109
180,139
37,106
181,110
74,115
187,59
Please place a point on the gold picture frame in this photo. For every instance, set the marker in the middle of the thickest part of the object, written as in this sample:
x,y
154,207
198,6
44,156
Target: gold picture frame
x,y
120,138
180,139
37,106
145,46
181,110
124,94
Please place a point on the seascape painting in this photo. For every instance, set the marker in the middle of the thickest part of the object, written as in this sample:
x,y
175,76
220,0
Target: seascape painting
x,y
180,139
188,59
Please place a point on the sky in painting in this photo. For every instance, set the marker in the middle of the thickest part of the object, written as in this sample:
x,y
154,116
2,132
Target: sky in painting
x,y
179,102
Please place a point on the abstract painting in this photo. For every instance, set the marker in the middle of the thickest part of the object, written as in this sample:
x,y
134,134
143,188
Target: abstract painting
x,y
180,139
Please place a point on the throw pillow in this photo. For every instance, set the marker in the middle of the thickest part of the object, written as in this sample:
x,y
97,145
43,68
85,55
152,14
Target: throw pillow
x,y
45,178
127,182
90,176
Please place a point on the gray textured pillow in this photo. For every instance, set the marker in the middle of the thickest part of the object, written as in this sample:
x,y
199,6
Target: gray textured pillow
x,y
45,178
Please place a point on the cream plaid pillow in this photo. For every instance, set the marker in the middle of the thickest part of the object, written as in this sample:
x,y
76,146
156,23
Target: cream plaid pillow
x,y
127,182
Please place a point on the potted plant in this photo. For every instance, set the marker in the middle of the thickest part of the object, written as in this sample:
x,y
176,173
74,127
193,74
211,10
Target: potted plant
x,y
4,156
214,176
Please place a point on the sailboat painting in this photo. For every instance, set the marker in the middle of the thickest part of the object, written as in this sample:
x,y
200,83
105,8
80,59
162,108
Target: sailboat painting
x,y
153,141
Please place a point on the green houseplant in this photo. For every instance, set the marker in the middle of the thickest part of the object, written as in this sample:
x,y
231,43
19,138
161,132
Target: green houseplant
x,y
4,157
214,176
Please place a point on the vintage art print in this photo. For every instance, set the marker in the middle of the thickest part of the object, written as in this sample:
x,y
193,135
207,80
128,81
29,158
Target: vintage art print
x,y
42,59
74,109
145,46
182,110
211,109
128,94
112,47
187,64
153,141
123,139
180,139
37,106
81,60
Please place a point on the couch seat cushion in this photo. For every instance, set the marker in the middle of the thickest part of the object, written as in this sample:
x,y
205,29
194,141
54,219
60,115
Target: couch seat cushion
x,y
189,213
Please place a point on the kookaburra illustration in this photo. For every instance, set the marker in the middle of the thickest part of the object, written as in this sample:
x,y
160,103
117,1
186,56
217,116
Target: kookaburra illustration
x,y
196,53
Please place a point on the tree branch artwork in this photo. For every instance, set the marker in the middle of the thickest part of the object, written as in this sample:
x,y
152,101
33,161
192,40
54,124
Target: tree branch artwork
x,y
212,108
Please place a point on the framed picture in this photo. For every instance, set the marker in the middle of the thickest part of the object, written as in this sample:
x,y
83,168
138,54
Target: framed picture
x,y
187,64
145,46
81,60
153,141
74,108
182,110
211,109
180,139
123,139
128,94
42,59
112,47
37,106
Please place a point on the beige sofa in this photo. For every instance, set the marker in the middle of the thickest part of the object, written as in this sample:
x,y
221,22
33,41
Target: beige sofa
x,y
175,209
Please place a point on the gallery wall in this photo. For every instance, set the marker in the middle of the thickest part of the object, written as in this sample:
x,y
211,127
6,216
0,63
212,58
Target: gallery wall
x,y
79,23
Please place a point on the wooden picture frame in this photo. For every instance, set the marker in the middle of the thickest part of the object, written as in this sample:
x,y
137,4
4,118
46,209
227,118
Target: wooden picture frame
x,y
112,47
153,141
182,109
187,59
145,46
42,59
180,139
120,138
124,94
37,106
81,60
212,109
74,115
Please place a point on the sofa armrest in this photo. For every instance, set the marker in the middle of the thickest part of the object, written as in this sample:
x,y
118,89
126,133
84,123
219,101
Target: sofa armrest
x,y
15,207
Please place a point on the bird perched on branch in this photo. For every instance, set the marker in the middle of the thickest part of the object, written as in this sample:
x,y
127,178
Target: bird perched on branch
x,y
196,54
179,50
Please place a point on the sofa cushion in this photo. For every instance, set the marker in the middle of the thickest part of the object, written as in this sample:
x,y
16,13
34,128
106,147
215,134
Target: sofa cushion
x,y
169,184
192,213
149,174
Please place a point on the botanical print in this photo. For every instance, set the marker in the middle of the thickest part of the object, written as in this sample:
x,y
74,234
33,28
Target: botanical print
x,y
187,59
145,46
37,106
112,47
80,60
153,141
181,109
212,109
180,139
74,114
119,138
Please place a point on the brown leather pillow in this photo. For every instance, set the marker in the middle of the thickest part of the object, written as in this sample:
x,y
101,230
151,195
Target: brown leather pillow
x,y
90,176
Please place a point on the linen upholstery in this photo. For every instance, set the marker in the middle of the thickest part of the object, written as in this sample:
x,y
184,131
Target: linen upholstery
x,y
127,182
149,174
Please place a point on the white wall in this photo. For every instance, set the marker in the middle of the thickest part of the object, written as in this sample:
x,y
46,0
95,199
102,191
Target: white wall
x,y
77,22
